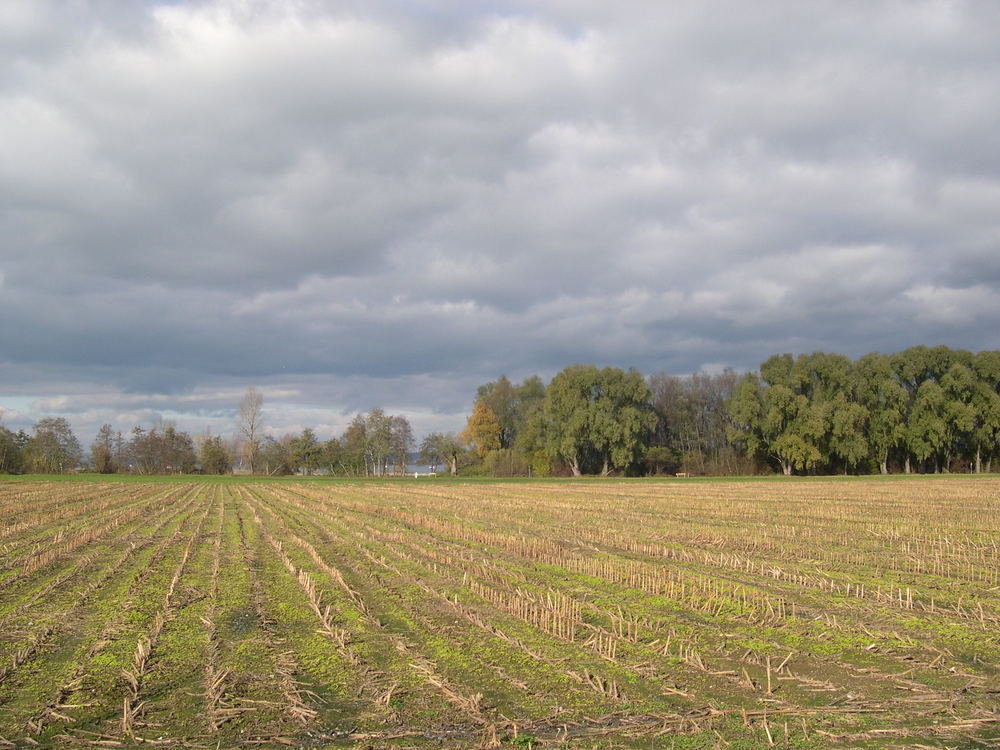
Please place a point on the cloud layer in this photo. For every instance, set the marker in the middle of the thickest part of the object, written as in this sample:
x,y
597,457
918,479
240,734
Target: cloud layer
x,y
360,203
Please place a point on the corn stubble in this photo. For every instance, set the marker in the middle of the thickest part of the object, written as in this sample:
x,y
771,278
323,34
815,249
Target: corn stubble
x,y
817,614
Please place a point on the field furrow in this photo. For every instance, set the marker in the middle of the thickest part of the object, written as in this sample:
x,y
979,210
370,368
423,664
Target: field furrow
x,y
85,675
435,613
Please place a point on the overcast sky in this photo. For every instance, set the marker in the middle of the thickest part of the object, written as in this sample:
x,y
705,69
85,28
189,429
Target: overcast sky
x,y
389,202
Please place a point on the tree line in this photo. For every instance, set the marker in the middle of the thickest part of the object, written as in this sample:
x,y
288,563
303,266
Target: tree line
x,y
374,444
924,409
591,420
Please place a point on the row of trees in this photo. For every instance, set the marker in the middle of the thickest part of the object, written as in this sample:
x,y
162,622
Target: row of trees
x,y
374,444
925,408
52,449
586,421
591,420
922,409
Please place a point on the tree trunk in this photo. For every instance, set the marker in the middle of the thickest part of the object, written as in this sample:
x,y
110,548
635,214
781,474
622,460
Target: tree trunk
x,y
884,463
907,468
606,469
453,462
979,459
786,467
574,464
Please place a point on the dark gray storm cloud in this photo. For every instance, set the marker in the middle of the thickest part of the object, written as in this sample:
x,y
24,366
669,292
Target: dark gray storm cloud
x,y
360,203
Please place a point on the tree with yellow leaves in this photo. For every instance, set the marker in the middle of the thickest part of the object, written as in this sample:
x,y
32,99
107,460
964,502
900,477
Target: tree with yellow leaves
x,y
482,430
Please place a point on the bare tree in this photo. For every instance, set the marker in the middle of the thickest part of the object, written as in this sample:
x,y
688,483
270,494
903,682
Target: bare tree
x,y
102,451
251,424
400,442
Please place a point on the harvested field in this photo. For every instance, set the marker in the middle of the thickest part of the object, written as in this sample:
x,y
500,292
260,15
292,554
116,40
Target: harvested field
x,y
430,613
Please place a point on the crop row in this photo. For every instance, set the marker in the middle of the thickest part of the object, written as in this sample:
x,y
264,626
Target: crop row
x,y
477,615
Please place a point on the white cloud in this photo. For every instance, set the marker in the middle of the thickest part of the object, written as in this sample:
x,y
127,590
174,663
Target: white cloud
x,y
938,304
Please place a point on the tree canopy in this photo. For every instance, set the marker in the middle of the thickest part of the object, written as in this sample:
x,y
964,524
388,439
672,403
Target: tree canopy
x,y
597,418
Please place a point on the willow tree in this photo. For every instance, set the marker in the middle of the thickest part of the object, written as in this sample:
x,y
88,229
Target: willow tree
x,y
769,418
986,435
885,399
597,418
927,427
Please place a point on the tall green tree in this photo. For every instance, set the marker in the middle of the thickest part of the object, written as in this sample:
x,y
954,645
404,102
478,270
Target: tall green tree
x,y
986,365
927,428
824,380
773,418
795,426
622,418
914,367
305,451
597,418
214,457
961,388
746,416
567,415
530,444
848,422
885,401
